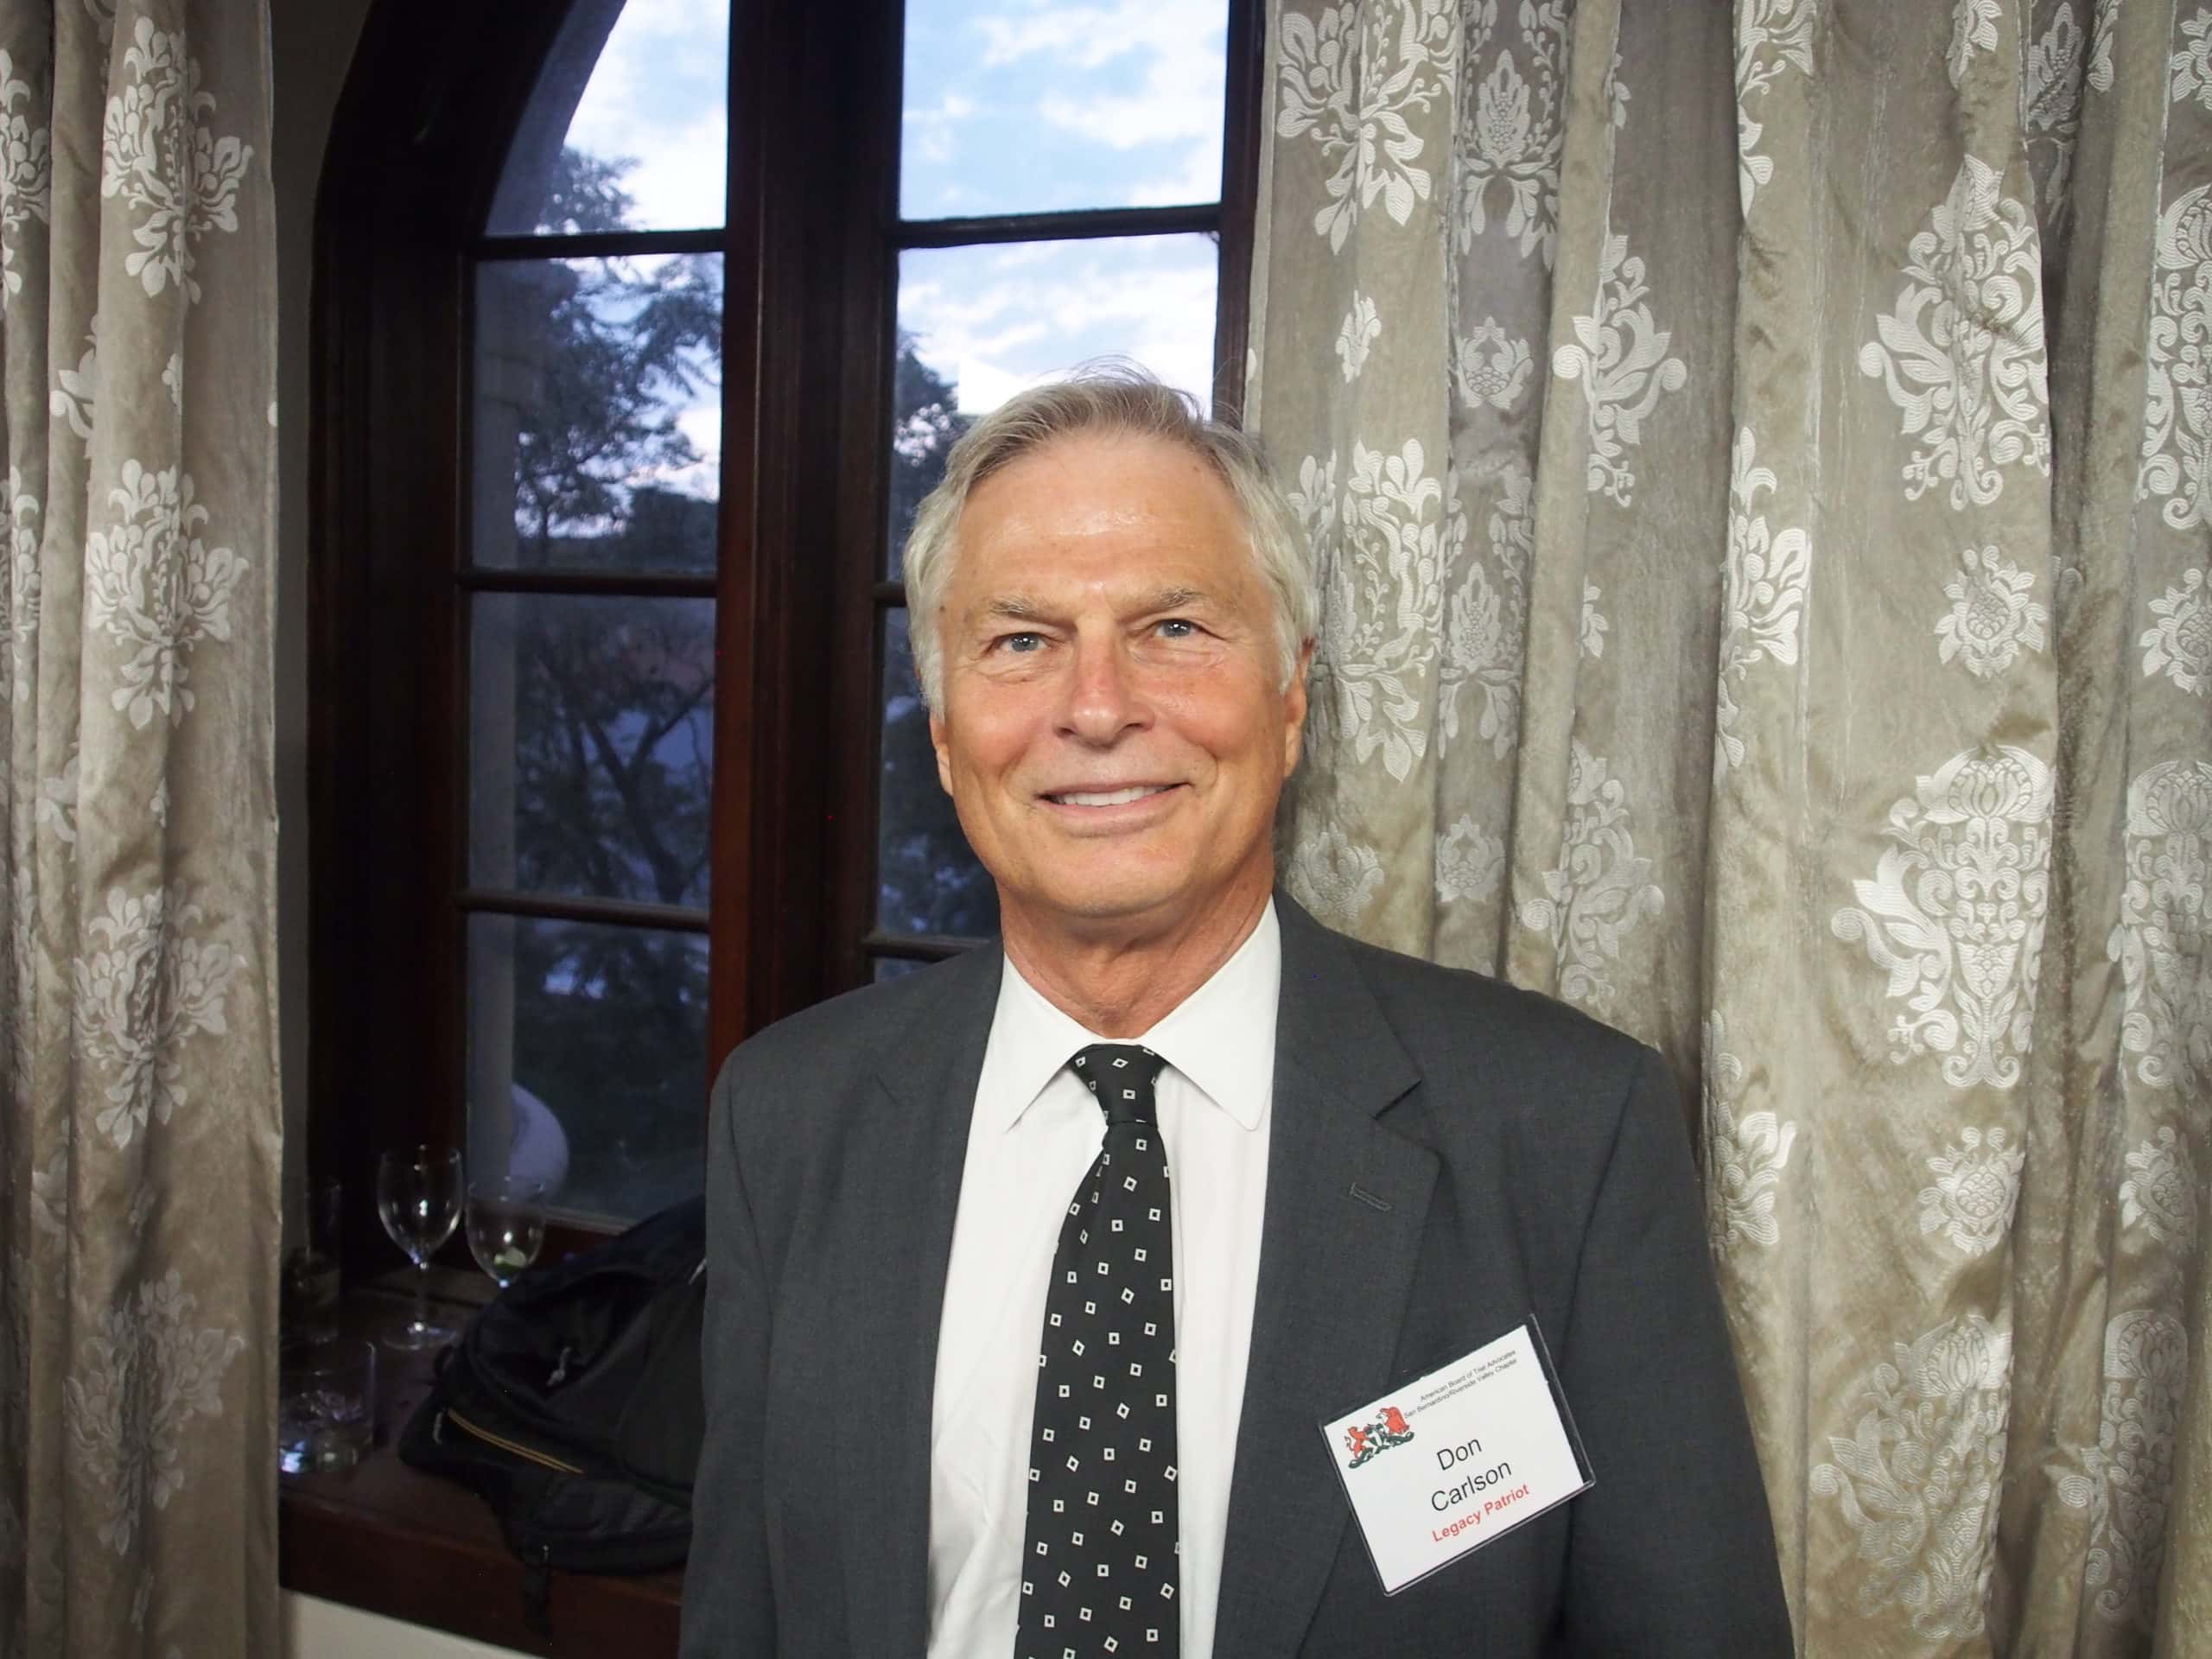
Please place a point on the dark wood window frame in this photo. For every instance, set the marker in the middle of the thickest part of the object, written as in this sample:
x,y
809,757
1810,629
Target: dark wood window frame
x,y
810,275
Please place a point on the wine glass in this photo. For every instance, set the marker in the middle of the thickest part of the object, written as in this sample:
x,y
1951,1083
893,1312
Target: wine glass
x,y
418,1199
507,1224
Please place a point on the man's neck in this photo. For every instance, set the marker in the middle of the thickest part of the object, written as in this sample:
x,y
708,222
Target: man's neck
x,y
1122,986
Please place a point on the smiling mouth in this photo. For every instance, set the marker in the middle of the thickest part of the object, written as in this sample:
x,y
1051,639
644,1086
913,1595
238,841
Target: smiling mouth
x,y
1107,796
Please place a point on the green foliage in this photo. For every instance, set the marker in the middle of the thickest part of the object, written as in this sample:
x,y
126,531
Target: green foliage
x,y
927,880
586,194
611,347
614,728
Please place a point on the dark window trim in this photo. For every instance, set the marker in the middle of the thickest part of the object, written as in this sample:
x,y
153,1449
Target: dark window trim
x,y
674,584
1079,225
683,919
596,244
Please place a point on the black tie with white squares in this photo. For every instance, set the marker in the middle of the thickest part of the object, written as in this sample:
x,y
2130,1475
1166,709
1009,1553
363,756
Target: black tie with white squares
x,y
1099,1557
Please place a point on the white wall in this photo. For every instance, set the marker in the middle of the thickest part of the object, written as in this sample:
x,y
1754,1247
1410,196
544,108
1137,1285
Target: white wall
x,y
314,1628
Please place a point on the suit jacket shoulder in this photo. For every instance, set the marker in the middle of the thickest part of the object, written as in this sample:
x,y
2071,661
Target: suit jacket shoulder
x,y
789,1093
1444,1013
1498,1072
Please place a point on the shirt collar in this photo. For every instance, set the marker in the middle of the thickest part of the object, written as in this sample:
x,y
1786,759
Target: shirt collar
x,y
1221,1037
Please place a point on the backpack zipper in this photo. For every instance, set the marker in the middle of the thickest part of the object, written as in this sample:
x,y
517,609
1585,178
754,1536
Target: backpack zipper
x,y
528,1454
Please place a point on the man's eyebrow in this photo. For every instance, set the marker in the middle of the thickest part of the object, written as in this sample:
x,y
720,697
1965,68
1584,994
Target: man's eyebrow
x,y
1023,607
1174,599
1016,607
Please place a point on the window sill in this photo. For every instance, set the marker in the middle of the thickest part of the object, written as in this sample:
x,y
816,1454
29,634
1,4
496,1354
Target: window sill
x,y
391,1539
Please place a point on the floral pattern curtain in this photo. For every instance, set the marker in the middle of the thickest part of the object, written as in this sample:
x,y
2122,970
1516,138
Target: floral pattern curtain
x,y
139,1124
1763,478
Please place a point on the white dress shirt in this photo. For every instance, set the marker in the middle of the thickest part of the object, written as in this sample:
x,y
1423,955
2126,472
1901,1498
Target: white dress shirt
x,y
1034,1131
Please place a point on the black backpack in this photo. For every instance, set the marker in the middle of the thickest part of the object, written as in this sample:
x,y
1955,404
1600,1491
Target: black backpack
x,y
572,1405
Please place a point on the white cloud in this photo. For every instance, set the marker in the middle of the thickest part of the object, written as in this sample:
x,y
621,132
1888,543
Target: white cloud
x,y
992,322
657,96
929,133
984,385
995,321
1199,178
1091,36
1014,256
678,182
702,424
1179,98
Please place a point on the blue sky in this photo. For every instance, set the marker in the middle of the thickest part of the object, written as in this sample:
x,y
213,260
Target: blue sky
x,y
1022,106
1011,106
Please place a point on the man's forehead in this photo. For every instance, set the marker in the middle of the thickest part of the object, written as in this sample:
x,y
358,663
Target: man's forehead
x,y
1135,520
1107,478
1134,453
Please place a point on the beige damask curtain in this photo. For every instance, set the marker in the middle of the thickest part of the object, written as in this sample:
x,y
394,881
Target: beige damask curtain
x,y
1762,462
138,1115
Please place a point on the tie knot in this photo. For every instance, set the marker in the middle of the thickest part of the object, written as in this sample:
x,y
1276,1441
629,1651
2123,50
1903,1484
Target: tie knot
x,y
1121,1075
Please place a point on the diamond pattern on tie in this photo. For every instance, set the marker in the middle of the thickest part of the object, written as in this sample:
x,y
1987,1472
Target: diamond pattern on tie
x,y
1100,1538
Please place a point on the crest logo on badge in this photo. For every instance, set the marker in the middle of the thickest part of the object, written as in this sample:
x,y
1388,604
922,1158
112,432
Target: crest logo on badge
x,y
1373,1439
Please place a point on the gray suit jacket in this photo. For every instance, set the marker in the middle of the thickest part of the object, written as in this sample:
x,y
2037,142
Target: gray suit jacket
x,y
1511,1155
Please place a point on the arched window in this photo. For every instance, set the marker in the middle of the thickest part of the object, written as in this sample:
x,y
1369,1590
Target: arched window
x,y
641,329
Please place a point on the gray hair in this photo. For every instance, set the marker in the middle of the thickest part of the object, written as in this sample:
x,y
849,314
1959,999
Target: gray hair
x,y
1117,398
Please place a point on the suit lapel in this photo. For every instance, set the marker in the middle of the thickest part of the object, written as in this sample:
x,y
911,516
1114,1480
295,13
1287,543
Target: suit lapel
x,y
1346,1202
902,1188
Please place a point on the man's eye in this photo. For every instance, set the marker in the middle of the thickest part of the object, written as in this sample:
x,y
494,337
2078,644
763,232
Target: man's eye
x,y
1022,643
1176,627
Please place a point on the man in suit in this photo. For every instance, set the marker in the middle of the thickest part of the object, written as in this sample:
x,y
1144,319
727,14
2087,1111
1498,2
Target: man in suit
x,y
1002,1361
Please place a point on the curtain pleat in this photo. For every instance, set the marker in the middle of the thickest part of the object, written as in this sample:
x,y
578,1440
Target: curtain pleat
x,y
1795,648
139,1122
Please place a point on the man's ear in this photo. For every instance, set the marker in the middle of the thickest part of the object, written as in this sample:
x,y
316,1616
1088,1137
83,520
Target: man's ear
x,y
944,752
1293,700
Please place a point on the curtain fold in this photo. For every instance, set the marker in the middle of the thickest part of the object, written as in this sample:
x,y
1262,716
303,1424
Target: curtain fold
x,y
139,1122
1761,482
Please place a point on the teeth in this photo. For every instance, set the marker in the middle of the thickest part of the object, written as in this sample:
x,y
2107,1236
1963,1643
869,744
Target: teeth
x,y
1111,798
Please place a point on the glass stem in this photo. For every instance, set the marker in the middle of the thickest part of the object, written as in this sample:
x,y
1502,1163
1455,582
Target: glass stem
x,y
422,1297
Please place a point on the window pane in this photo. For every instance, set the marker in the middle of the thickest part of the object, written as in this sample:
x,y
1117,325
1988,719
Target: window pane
x,y
597,416
587,1059
927,880
629,128
1028,108
591,743
978,324
894,967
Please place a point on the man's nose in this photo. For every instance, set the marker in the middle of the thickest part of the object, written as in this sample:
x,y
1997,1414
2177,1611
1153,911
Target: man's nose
x,y
1103,697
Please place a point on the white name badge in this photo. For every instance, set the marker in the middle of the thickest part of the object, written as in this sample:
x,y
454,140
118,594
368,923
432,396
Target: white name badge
x,y
1457,1458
